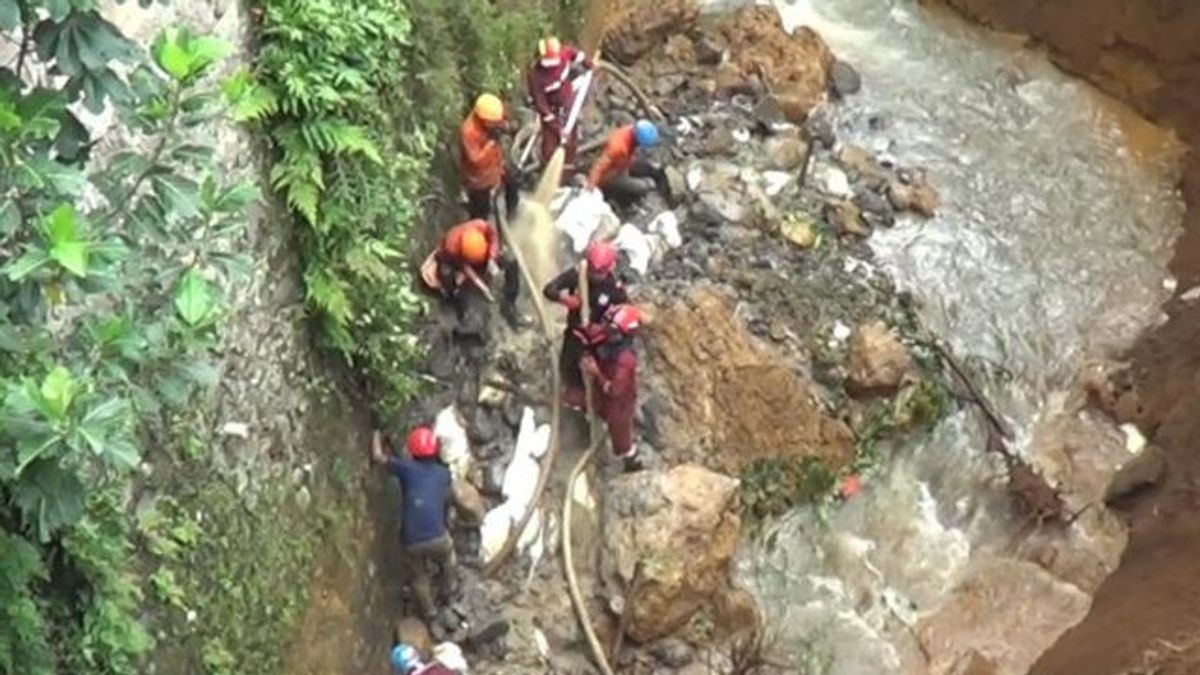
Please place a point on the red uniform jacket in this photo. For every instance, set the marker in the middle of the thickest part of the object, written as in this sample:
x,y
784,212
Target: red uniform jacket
x,y
550,87
482,158
618,154
450,251
617,383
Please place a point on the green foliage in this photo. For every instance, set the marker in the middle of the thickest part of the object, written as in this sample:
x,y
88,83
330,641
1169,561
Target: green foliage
x,y
771,487
363,97
95,358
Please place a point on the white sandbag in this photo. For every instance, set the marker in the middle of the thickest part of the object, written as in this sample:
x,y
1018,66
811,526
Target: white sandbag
x,y
494,531
451,656
666,225
455,447
583,213
636,246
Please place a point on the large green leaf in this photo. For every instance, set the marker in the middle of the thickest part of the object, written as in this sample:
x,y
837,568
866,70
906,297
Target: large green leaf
x,y
177,194
62,225
58,390
194,299
25,265
49,497
73,255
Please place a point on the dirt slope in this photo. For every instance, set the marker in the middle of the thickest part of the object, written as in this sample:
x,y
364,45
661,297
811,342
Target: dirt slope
x,y
1146,616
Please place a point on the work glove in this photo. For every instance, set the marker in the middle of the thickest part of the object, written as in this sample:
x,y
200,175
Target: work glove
x,y
495,132
571,302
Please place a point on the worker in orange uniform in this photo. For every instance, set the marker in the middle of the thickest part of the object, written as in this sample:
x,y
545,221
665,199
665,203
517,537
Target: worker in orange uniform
x,y
620,172
468,254
481,157
612,363
604,291
552,92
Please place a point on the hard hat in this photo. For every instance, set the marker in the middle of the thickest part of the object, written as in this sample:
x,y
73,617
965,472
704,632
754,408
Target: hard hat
x,y
601,258
473,246
626,318
404,658
550,51
646,133
422,443
489,108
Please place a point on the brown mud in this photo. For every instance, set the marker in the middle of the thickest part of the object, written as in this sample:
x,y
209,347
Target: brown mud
x,y
1146,616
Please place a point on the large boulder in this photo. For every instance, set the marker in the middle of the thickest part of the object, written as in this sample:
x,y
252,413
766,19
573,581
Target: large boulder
x,y
634,29
795,66
879,362
681,528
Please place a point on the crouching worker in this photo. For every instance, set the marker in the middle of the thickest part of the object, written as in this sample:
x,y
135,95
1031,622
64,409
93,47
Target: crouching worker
x,y
604,291
406,661
481,158
466,258
621,174
427,492
612,364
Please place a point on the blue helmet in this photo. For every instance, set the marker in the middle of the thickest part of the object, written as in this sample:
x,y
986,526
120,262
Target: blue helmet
x,y
404,658
646,133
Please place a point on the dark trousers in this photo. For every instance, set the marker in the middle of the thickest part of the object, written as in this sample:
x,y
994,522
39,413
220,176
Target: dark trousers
x,y
626,188
448,276
480,202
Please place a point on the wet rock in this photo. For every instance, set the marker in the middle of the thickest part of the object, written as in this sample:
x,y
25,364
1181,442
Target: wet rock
x,y
919,197
844,79
412,631
879,362
489,631
487,424
719,141
768,113
800,231
709,50
1144,467
820,130
672,652
874,203
726,206
685,520
862,164
786,153
846,218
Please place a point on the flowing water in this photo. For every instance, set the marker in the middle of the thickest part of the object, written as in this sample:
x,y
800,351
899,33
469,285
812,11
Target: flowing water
x,y
1049,249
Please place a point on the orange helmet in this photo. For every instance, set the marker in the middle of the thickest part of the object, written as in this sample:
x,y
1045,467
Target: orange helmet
x,y
473,246
550,51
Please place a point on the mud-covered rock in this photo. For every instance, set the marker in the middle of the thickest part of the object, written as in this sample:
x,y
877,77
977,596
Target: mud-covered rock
x,y
728,400
719,141
677,530
794,66
412,631
641,27
785,153
847,218
879,362
471,505
919,197
862,165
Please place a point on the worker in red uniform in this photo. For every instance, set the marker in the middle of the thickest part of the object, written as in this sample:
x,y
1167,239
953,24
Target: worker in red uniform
x,y
467,255
552,93
621,173
612,363
481,157
604,291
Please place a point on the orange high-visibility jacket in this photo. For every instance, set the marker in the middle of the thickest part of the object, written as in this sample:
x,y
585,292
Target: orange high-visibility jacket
x,y
482,158
617,156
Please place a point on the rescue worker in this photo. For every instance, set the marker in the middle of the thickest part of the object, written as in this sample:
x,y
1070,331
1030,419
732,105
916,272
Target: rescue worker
x,y
604,290
552,92
481,158
612,364
406,661
620,173
427,492
467,255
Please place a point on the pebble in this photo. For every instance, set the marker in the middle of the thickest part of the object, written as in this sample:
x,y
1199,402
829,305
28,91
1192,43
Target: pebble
x,y
844,79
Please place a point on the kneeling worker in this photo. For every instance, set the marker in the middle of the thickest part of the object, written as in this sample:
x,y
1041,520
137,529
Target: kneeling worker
x,y
481,162
467,254
406,661
427,491
613,365
621,174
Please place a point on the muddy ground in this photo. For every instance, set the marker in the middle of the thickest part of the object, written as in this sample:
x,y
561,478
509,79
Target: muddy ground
x,y
1146,616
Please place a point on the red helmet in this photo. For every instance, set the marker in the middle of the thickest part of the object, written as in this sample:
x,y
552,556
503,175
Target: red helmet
x,y
625,318
601,258
422,443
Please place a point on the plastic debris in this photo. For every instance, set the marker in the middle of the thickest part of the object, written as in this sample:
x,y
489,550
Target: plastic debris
x,y
455,447
520,482
636,246
581,213
450,655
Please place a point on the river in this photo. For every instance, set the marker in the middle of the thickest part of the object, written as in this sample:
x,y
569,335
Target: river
x,y
1048,253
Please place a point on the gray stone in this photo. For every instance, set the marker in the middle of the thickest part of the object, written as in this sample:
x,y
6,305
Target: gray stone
x,y
709,50
786,153
844,79
719,141
672,652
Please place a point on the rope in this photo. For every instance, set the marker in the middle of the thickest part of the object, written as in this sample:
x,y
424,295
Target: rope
x,y
585,621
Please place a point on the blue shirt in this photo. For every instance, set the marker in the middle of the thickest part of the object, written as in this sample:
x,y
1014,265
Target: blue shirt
x,y
426,489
